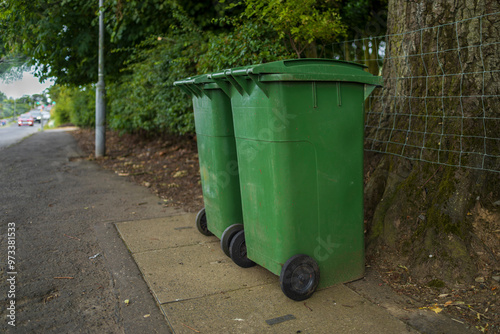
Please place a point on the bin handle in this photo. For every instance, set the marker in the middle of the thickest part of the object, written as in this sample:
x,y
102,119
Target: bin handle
x,y
369,89
255,79
198,92
189,87
185,90
238,81
232,80
224,85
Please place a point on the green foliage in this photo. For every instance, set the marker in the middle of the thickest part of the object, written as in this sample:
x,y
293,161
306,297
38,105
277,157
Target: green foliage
x,y
301,22
145,100
83,113
74,105
249,43
364,17
12,63
58,36
11,107
64,104
152,43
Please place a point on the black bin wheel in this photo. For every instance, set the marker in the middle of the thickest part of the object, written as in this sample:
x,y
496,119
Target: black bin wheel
x,y
201,223
238,251
228,235
299,277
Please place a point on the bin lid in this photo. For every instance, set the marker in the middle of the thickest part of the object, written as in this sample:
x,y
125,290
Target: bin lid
x,y
196,84
308,69
192,80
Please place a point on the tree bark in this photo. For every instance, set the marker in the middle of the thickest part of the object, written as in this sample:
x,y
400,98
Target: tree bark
x,y
435,218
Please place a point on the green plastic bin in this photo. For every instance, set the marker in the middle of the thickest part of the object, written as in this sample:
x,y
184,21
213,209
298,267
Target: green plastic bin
x,y
299,136
217,156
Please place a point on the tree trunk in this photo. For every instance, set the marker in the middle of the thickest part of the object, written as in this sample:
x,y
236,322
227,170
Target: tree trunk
x,y
439,221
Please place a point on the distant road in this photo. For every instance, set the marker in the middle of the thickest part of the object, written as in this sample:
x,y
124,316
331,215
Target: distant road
x,y
11,134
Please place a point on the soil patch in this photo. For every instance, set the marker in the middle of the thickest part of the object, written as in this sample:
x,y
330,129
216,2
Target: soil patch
x,y
168,166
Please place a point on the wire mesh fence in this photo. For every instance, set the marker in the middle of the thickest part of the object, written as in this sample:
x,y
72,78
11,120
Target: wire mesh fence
x,y
441,97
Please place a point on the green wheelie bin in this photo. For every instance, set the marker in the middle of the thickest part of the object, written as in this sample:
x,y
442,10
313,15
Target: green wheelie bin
x,y
299,137
217,159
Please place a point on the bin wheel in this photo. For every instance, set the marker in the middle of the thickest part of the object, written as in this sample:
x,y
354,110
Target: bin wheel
x,y
299,277
228,235
201,223
238,251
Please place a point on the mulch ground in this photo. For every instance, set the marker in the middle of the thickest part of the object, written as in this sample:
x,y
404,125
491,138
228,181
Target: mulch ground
x,y
168,166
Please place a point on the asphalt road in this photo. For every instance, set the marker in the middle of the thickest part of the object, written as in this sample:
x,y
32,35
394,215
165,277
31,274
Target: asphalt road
x,y
10,134
63,267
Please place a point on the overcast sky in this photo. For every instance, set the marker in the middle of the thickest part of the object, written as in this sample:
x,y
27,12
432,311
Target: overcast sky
x,y
29,85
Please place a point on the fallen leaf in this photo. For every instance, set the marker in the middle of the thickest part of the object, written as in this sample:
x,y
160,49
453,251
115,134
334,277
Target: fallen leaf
x,y
126,301
482,329
180,173
50,297
436,309
147,315
449,302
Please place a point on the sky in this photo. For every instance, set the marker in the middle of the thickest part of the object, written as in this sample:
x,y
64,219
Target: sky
x,y
29,85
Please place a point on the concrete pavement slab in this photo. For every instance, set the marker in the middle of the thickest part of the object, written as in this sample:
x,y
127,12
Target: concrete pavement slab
x,y
160,233
196,271
264,309
200,289
186,264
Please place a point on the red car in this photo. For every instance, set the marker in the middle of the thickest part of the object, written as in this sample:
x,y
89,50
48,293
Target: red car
x,y
25,120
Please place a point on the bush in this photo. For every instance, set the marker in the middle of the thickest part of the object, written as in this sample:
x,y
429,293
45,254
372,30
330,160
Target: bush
x,y
145,100
248,44
63,107
74,105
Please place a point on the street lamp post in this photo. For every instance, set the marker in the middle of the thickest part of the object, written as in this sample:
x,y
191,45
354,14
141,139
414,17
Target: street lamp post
x,y
100,114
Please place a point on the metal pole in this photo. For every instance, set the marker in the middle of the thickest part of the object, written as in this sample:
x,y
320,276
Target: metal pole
x,y
100,103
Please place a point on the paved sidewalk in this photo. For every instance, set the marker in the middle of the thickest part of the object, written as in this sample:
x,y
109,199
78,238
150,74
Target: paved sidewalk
x,y
200,289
